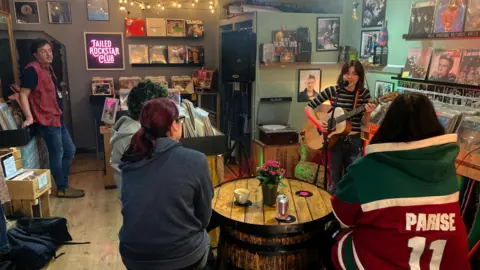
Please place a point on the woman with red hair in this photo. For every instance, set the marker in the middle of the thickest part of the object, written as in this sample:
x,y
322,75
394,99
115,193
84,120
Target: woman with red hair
x,y
166,195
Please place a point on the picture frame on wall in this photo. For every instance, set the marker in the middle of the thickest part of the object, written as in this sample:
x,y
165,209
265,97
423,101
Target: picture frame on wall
x,y
309,83
373,13
98,10
382,88
328,33
59,12
104,50
26,12
368,42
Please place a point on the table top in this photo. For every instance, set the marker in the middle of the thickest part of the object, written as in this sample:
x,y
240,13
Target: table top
x,y
305,210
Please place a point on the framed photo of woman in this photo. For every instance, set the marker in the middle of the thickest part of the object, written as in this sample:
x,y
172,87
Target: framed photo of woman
x,y
309,82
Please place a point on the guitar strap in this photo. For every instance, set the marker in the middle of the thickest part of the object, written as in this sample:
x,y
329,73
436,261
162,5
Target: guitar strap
x,y
356,99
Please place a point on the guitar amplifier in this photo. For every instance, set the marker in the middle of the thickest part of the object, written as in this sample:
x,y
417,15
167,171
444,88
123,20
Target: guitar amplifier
x,y
286,136
304,52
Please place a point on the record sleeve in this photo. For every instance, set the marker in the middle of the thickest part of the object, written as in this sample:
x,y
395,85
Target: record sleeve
x,y
470,67
422,17
417,63
174,94
175,28
158,54
445,65
138,54
194,28
158,79
183,83
285,45
176,54
110,108
472,20
195,55
128,82
268,53
156,27
134,27
469,140
123,95
449,16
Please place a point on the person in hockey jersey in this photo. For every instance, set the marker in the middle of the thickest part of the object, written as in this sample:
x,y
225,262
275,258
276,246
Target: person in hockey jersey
x,y
401,198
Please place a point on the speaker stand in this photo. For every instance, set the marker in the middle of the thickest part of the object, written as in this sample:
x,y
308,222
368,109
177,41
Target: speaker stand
x,y
244,159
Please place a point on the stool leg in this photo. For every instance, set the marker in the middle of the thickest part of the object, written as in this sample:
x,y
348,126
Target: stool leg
x,y
45,204
27,208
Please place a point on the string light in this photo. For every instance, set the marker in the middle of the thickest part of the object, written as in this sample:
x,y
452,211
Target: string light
x,y
175,3
163,7
179,5
211,3
122,8
148,6
193,4
211,7
131,3
121,1
158,5
196,1
212,10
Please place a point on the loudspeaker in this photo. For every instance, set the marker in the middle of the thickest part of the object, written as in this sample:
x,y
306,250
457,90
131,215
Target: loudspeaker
x,y
304,52
239,56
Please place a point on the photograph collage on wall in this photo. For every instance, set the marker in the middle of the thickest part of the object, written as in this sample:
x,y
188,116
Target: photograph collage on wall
x,y
26,12
454,65
368,42
328,34
373,13
59,12
309,83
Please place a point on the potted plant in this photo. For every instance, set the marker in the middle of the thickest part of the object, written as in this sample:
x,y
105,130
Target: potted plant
x,y
269,175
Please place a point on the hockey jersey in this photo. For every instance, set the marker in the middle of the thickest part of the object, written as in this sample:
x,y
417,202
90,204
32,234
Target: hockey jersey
x,y
401,204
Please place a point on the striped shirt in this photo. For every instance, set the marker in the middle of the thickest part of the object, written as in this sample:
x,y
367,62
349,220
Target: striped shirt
x,y
346,100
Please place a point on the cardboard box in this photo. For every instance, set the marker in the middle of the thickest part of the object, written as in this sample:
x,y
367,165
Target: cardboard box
x,y
287,155
30,189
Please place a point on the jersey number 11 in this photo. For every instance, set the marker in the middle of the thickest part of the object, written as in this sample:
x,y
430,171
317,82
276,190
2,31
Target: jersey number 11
x,y
417,244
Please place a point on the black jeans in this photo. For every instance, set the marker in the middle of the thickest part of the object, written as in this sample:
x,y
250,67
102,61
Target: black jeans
x,y
342,155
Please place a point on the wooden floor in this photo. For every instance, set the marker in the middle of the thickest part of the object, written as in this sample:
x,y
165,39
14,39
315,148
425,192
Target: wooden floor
x,y
95,218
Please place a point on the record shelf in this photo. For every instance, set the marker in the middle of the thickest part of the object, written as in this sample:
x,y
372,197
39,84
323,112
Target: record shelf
x,y
447,35
168,65
441,83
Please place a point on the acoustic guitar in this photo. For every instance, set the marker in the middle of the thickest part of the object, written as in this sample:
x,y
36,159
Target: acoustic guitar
x,y
340,126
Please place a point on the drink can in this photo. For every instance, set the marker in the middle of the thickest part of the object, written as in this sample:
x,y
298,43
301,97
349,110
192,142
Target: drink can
x,y
282,207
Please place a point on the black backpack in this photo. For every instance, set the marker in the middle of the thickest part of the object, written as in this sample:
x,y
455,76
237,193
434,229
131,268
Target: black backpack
x,y
34,241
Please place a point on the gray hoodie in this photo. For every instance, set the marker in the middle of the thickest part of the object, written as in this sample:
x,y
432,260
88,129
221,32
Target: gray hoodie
x,y
123,131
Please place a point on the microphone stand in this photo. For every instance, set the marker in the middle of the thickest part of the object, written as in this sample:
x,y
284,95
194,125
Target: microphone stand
x,y
325,146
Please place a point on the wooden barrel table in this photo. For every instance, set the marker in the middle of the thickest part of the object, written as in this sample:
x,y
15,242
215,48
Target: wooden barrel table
x,y
252,238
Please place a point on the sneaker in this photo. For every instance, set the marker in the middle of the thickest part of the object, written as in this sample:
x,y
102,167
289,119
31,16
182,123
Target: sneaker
x,y
70,193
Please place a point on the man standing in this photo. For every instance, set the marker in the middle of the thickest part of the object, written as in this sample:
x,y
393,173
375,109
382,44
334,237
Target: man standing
x,y
41,102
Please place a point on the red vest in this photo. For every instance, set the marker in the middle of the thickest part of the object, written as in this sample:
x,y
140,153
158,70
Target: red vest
x,y
43,99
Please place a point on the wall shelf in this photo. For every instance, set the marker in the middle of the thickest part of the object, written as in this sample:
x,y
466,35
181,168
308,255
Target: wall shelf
x,y
295,65
450,35
161,37
167,65
448,84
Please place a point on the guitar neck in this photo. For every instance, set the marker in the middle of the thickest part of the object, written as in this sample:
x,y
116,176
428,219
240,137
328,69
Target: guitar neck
x,y
354,112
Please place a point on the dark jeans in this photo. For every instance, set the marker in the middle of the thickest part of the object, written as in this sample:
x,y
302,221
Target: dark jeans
x,y
4,246
342,155
61,152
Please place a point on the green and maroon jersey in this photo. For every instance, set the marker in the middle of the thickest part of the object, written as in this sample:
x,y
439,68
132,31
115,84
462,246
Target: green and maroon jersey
x,y
401,202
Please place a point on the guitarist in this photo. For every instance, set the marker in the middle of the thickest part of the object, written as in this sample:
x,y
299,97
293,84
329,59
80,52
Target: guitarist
x,y
349,93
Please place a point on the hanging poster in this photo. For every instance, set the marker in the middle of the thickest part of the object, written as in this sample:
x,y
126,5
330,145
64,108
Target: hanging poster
x,y
104,51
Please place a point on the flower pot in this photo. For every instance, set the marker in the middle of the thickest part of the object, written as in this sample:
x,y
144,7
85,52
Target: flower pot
x,y
269,195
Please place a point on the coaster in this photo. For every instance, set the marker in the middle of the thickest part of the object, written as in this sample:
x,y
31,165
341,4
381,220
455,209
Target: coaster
x,y
289,219
247,204
303,193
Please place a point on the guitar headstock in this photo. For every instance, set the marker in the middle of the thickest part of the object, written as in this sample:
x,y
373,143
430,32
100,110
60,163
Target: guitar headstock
x,y
386,98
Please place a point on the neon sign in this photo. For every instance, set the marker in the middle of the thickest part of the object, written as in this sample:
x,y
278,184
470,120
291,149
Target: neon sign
x,y
104,51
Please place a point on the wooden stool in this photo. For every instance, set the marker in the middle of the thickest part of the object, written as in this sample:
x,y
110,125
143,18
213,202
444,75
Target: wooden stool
x,y
26,206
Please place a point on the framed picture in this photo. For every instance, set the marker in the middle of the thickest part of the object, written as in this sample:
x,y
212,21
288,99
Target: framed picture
x,y
98,10
373,13
382,88
110,108
309,82
328,34
26,12
104,51
102,89
368,41
59,12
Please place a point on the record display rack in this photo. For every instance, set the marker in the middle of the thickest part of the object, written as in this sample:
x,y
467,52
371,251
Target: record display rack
x,y
167,65
448,35
441,83
166,37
